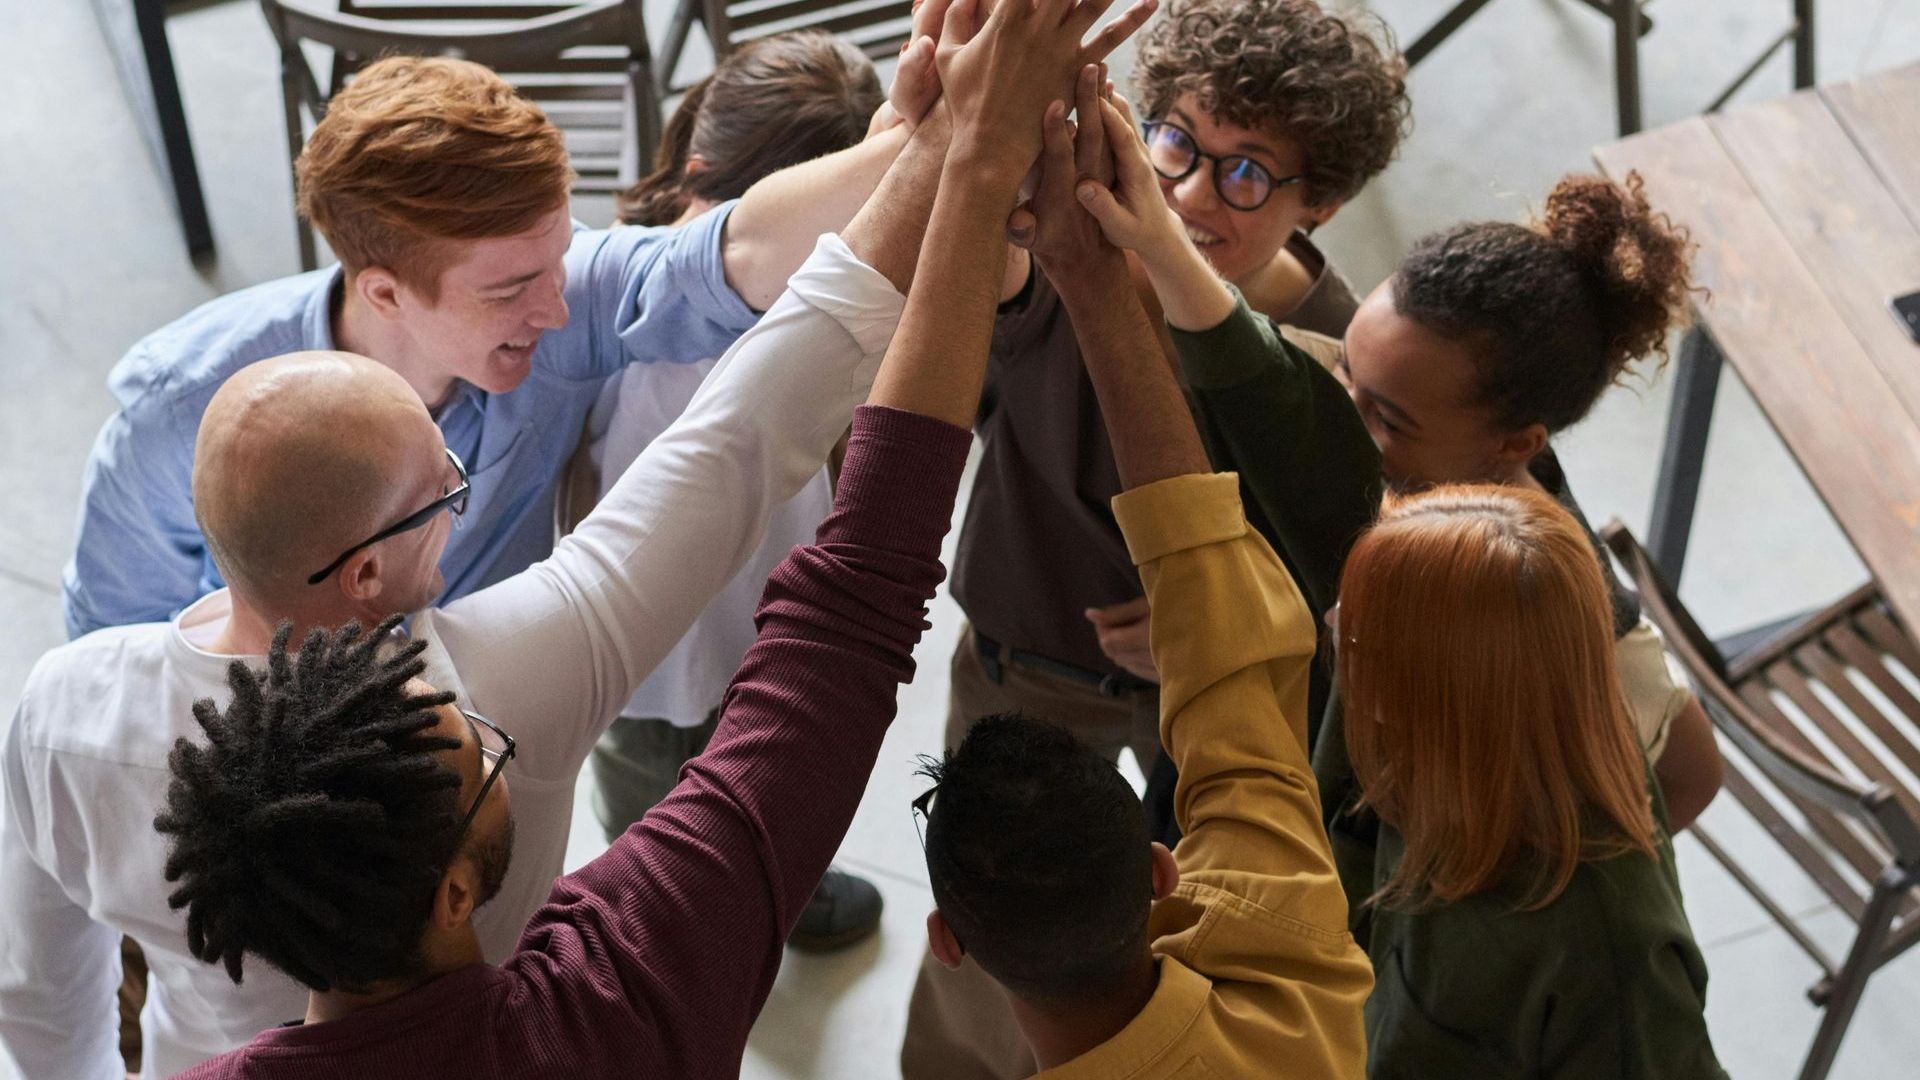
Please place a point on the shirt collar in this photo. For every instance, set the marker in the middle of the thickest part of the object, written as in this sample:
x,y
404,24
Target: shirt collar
x,y
1179,998
193,629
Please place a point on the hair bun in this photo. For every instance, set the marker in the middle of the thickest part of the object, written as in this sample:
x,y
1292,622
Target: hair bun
x,y
1635,258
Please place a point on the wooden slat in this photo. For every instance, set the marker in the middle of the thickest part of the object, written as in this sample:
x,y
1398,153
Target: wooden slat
x,y
1772,320
1791,679
745,15
1865,658
1832,829
1879,113
1847,229
1881,630
1821,662
1789,837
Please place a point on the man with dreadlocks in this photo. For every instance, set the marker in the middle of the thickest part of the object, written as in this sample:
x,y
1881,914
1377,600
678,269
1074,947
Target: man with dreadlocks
x,y
344,822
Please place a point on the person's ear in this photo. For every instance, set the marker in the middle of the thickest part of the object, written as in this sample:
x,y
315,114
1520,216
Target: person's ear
x,y
359,577
1320,215
1166,872
695,163
1519,447
457,895
946,948
380,290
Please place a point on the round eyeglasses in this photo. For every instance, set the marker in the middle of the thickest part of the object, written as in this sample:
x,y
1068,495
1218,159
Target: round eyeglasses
x,y
1241,182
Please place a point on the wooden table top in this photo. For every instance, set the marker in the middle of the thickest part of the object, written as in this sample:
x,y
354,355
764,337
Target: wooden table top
x,y
1806,210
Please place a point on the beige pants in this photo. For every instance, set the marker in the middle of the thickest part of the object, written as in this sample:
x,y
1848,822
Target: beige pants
x,y
959,1024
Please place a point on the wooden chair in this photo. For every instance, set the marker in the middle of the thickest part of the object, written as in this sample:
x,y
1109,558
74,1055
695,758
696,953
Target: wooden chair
x,y
876,27
588,65
1630,24
1824,722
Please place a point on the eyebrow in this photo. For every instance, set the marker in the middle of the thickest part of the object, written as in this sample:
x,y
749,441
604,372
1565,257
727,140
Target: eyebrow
x,y
511,282
1246,147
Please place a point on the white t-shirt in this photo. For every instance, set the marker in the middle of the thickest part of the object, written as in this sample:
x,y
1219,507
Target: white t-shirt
x,y
636,406
550,654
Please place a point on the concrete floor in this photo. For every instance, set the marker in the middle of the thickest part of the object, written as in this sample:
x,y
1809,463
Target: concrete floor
x,y
93,258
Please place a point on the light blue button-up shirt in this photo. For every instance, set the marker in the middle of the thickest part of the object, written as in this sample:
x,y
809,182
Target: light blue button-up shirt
x,y
635,294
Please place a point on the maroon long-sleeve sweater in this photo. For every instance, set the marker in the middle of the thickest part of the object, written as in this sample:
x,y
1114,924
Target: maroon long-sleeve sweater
x,y
654,959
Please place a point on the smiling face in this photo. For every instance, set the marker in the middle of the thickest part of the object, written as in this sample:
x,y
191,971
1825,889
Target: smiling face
x,y
1239,243
495,300
1414,390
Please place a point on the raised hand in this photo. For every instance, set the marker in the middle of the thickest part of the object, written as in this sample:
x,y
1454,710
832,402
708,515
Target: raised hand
x,y
1054,226
999,75
1132,212
916,84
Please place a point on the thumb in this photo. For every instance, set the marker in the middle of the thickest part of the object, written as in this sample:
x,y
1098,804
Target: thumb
x,y
1104,207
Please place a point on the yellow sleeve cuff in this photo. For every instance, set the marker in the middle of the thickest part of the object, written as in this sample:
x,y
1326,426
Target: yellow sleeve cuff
x,y
1178,513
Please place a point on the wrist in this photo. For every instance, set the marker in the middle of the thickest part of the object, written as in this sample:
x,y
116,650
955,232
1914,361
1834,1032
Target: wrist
x,y
985,159
1090,275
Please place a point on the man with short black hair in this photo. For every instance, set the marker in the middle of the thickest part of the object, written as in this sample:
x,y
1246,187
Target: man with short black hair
x,y
1240,964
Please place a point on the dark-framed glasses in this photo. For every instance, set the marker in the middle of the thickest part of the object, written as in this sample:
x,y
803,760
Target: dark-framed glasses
x,y
496,749
454,502
919,807
1240,181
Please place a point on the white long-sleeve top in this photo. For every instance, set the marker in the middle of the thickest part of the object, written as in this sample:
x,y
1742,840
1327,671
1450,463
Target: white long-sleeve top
x,y
636,406
550,655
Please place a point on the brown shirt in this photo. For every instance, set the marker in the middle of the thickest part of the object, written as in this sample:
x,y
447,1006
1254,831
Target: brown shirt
x,y
1039,544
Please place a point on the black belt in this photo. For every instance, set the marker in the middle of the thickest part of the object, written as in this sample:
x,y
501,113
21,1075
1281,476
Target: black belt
x,y
1117,684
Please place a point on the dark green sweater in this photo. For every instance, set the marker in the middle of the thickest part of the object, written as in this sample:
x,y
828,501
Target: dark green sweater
x,y
1603,982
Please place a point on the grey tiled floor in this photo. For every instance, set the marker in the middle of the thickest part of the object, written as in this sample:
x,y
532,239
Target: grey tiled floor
x,y
90,258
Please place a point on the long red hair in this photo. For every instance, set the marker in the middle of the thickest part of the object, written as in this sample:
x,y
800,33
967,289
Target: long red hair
x,y
1484,715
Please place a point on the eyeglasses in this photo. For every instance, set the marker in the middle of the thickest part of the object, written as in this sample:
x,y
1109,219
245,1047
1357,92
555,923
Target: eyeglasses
x,y
454,501
1241,182
496,746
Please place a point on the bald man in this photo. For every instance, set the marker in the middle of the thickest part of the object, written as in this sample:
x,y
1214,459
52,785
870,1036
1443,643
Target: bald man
x,y
327,493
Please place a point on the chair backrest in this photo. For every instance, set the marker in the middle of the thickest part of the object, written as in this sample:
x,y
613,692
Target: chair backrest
x,y
1825,720
588,65
876,27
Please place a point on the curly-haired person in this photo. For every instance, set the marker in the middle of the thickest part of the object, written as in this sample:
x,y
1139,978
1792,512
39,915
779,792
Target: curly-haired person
x,y
1267,115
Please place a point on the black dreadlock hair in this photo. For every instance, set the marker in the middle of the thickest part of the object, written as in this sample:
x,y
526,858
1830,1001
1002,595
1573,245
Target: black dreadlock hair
x,y
1038,854
313,826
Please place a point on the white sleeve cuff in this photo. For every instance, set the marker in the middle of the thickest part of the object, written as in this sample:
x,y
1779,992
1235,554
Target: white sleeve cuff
x,y
858,297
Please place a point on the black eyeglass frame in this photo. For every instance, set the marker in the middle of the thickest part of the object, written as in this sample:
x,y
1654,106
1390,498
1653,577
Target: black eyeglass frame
x,y
499,763
1220,162
454,501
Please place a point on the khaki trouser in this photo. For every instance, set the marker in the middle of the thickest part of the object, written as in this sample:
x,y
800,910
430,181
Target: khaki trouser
x,y
959,1023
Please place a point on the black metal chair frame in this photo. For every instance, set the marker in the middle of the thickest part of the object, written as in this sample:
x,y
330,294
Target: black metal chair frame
x,y
540,36
1835,811
1629,25
876,27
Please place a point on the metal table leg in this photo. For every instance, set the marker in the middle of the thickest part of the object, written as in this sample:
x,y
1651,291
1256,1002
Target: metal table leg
x,y
151,18
1677,492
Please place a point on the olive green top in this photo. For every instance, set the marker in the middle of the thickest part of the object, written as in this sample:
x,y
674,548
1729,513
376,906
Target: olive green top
x,y
1606,980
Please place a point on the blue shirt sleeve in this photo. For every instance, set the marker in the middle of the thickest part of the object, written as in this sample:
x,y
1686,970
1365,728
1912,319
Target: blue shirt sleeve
x,y
139,555
647,295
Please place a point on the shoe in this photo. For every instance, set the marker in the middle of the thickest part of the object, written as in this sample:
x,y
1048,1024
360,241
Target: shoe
x,y
844,909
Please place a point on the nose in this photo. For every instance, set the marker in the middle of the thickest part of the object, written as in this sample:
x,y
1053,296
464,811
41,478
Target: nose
x,y
1196,191
552,312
